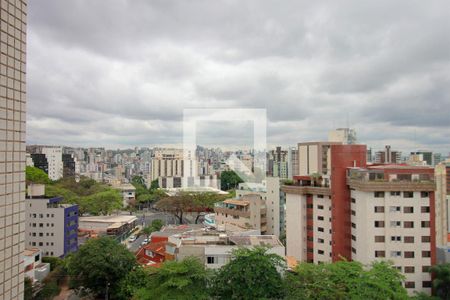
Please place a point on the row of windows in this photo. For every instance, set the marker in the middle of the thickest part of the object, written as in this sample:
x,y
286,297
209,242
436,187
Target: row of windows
x,y
397,194
42,225
406,209
41,234
406,254
41,244
412,284
406,239
393,224
41,215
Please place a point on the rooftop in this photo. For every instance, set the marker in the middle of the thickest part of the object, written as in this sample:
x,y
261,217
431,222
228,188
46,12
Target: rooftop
x,y
30,251
109,219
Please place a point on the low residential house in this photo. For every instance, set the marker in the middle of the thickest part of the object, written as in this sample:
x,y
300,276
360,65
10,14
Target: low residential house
x,y
248,212
34,268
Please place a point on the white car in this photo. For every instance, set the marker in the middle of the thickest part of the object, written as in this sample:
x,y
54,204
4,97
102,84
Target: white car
x,y
132,238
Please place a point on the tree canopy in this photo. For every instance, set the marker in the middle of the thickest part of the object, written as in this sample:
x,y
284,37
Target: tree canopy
x,y
251,274
441,282
36,175
156,225
99,263
345,280
229,180
176,280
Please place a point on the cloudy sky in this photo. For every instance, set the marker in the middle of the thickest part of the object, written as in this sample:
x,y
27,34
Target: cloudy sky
x,y
119,73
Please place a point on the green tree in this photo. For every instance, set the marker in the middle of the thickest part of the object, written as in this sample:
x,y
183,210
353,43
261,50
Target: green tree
x,y
53,261
100,263
229,180
251,274
204,202
441,282
176,205
36,175
154,185
104,203
345,280
176,280
156,225
28,289
133,281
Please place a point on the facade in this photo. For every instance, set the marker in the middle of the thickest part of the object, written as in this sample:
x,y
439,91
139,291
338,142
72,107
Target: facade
x,y
270,192
49,159
50,226
277,163
12,146
34,268
345,136
427,156
69,165
292,162
365,213
249,212
442,177
388,156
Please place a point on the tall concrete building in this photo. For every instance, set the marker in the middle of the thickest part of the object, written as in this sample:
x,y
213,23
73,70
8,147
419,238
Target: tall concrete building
x,y
388,156
365,213
12,146
49,159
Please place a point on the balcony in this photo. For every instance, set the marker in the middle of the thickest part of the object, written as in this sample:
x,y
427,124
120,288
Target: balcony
x,y
306,189
365,185
232,212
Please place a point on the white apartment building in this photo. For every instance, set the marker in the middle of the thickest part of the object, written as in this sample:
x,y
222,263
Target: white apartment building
x,y
12,146
55,163
50,226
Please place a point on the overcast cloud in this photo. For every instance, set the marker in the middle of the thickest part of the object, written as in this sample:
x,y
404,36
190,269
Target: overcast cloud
x,y
119,73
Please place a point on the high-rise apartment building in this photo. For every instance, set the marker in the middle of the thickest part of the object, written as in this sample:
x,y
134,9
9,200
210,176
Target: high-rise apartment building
x,y
53,157
277,163
388,156
170,163
427,156
364,213
12,146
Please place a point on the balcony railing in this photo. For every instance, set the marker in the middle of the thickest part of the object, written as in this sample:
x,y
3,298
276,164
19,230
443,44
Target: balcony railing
x,y
391,185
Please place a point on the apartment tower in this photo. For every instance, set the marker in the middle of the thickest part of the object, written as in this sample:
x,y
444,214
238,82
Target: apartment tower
x,y
12,146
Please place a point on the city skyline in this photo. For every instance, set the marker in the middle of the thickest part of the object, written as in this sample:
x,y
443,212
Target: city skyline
x,y
123,76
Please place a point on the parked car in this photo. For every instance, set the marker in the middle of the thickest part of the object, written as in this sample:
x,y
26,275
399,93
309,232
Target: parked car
x,y
132,238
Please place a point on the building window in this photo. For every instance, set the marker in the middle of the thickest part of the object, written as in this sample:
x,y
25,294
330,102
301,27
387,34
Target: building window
x,y
379,224
409,270
408,239
379,239
408,194
320,252
394,208
353,213
353,225
378,194
426,239
425,224
425,209
426,269
41,244
408,254
424,194
353,250
396,253
396,238
426,284
320,241
320,229
210,260
41,224
353,200
319,196
320,218
379,209
408,224
396,194
353,238
408,209
319,206
410,284
426,253
396,223
380,254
